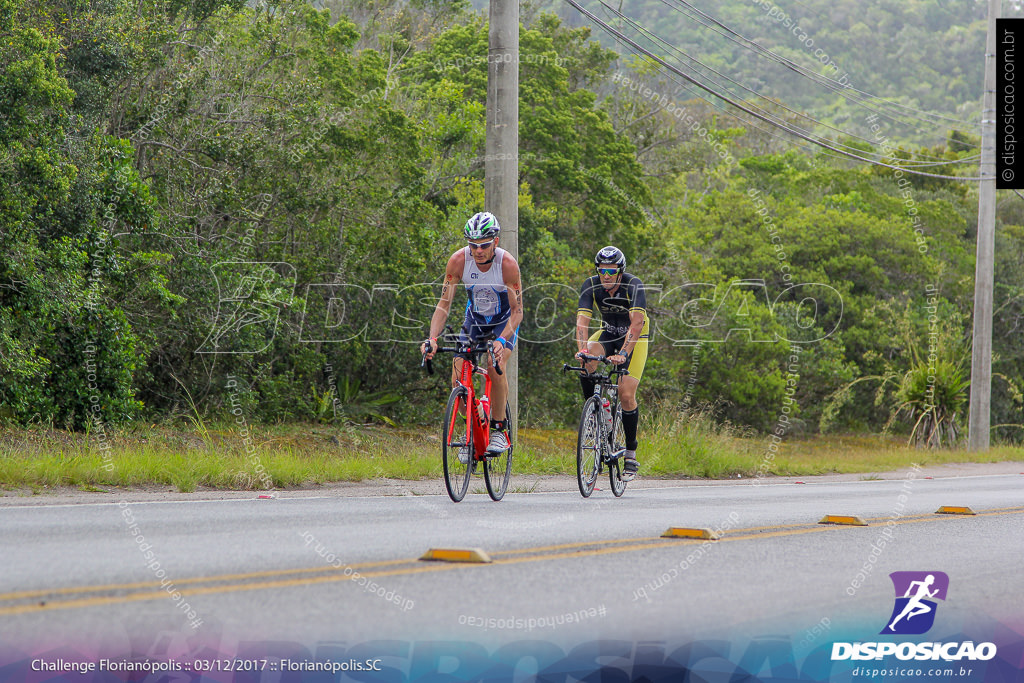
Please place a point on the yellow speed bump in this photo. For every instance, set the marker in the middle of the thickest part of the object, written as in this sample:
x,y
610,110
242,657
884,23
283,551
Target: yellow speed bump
x,y
955,510
684,532
457,555
850,520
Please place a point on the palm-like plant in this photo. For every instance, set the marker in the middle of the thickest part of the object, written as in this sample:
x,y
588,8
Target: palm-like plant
x,y
348,403
931,394
932,398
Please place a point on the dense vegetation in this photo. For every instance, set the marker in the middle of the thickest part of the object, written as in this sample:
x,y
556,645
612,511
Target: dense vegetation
x,y
925,55
217,208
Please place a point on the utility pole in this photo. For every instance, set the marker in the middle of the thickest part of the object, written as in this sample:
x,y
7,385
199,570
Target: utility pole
x,y
501,165
981,351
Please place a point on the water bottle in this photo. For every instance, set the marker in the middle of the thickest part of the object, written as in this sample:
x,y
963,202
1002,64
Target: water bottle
x,y
606,410
483,411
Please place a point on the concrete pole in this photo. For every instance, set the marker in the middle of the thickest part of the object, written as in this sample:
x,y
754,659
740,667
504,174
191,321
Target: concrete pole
x,y
501,165
981,354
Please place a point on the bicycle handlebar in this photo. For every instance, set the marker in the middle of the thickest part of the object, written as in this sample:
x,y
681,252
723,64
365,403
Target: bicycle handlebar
x,y
617,370
479,347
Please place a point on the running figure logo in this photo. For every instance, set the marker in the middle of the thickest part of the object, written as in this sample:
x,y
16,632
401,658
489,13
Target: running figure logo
x,y
914,611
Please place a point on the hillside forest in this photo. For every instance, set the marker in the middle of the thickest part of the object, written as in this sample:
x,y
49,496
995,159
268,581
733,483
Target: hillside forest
x,y
213,205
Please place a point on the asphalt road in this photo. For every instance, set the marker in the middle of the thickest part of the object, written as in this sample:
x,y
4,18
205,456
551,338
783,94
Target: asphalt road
x,y
297,575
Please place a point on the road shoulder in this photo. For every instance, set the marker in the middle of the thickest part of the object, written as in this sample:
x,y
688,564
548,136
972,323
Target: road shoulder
x,y
519,485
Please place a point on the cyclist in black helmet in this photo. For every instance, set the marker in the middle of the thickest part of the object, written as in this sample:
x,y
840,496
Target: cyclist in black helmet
x,y
622,338
495,307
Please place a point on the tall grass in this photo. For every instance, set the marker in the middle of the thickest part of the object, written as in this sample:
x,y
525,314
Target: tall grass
x,y
291,457
690,443
673,443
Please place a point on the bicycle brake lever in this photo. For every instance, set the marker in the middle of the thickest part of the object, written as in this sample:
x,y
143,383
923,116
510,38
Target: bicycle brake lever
x,y
494,365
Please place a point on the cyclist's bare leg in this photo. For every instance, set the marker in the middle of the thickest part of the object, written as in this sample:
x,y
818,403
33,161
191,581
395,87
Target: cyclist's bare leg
x,y
594,348
456,375
499,386
456,371
627,392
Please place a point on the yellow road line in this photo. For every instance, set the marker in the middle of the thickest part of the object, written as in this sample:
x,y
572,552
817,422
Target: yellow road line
x,y
612,546
199,579
285,583
579,544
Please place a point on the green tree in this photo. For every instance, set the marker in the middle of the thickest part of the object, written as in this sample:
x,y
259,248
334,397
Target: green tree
x,y
66,348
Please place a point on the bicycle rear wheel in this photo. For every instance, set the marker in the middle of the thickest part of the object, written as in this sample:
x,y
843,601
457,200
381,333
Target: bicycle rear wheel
x,y
588,451
615,466
498,468
455,440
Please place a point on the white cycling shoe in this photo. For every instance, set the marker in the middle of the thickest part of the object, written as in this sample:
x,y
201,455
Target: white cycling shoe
x,y
498,442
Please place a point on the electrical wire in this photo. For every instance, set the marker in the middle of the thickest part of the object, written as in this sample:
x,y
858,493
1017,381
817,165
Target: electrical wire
x,y
654,38
753,124
748,123
766,118
830,83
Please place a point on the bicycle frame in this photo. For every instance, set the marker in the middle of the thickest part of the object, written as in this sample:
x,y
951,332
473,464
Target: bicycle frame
x,y
604,382
479,435
474,441
603,429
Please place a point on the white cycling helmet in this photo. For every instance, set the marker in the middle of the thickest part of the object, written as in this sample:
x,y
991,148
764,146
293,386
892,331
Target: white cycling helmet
x,y
481,226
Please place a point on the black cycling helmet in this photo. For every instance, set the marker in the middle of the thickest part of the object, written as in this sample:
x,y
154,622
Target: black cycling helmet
x,y
610,256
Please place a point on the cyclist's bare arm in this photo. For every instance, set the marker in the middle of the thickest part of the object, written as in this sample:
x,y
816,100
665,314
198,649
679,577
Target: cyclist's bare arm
x,y
513,283
582,332
452,277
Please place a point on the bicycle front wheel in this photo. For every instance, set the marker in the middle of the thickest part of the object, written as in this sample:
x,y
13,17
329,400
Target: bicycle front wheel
x,y
456,449
498,468
588,450
618,444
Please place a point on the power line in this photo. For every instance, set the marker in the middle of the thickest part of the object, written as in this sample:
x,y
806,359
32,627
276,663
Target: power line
x,y
733,102
829,83
715,102
654,38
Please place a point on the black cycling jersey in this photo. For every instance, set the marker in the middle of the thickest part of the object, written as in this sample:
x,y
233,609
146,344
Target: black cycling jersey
x,y
614,308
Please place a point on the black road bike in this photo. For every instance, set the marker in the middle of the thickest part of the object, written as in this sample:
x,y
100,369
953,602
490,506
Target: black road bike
x,y
601,440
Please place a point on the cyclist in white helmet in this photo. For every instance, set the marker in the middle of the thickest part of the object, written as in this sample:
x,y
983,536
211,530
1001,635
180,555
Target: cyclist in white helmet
x,y
622,337
495,307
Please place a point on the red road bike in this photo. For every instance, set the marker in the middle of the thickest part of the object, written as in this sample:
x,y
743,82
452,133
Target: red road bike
x,y
466,427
